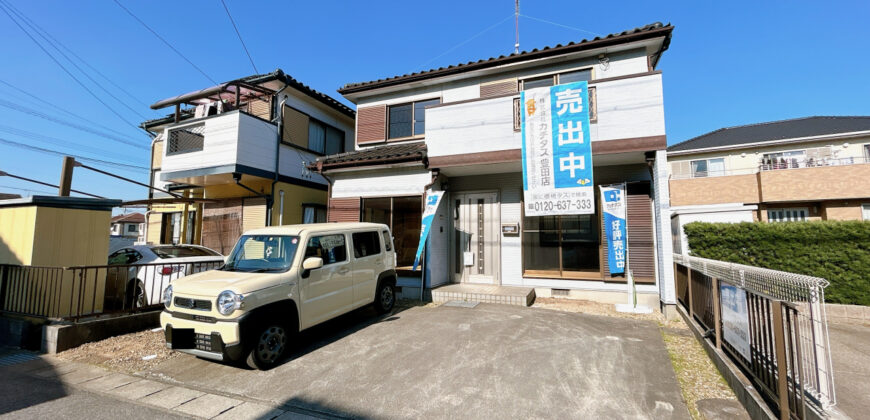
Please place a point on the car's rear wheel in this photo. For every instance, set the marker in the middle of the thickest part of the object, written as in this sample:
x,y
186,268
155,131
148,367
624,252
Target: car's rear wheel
x,y
385,297
136,297
269,346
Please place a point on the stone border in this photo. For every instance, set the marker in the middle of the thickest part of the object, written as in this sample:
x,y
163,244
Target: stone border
x,y
57,337
848,314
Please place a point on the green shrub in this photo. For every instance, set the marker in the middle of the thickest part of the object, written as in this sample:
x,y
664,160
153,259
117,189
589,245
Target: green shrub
x,y
838,251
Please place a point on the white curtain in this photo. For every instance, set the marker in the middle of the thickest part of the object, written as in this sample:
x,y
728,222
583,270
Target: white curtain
x,y
316,137
308,215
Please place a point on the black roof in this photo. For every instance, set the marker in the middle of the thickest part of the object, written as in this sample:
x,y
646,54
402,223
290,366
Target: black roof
x,y
375,155
644,32
774,130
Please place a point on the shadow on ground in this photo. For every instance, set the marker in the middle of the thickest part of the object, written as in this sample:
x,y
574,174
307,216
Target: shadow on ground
x,y
20,390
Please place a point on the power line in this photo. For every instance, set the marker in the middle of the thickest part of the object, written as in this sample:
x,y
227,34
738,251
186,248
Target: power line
x,y
27,189
55,43
55,140
56,61
44,183
122,166
468,40
35,113
132,181
560,25
36,98
240,36
164,41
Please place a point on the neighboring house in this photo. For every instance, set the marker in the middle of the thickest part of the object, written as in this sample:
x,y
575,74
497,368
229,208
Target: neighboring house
x,y
7,196
126,225
238,158
457,129
814,168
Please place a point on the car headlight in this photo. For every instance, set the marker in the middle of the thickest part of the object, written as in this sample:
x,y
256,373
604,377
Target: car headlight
x,y
228,302
167,296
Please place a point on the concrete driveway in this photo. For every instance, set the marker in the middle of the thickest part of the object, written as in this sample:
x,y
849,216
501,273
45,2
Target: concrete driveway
x,y
492,361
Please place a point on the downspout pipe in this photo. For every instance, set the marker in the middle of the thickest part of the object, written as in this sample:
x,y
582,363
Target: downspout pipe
x,y
278,119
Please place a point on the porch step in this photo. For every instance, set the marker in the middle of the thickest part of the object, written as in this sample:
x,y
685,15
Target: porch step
x,y
508,295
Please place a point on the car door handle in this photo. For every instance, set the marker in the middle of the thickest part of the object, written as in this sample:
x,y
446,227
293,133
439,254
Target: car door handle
x,y
343,271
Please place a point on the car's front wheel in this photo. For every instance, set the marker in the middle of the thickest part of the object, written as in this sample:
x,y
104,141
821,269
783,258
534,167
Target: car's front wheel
x,y
269,347
385,297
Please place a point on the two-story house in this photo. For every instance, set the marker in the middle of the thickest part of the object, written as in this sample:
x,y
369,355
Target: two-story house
x,y
457,129
814,168
234,157
126,225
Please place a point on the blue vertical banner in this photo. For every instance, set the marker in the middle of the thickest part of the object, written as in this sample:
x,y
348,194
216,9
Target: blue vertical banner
x,y
613,204
433,198
557,150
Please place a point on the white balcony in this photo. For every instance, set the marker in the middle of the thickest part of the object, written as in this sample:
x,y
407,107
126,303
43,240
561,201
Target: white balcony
x,y
208,150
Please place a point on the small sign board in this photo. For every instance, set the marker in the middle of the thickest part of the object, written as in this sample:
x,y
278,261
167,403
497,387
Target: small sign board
x,y
735,318
511,229
468,258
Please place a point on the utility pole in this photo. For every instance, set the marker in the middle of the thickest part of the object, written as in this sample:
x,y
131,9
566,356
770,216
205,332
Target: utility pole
x,y
517,25
66,174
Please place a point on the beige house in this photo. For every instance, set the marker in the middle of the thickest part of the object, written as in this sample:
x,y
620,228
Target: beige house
x,y
814,168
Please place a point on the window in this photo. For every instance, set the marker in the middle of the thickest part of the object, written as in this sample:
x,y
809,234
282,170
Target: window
x,y
124,256
182,252
324,138
558,79
865,212
708,167
331,248
561,246
388,242
787,215
408,120
132,228
262,253
402,215
313,213
867,153
366,244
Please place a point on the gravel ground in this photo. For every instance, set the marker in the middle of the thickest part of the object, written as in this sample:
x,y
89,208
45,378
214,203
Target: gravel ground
x,y
592,308
123,353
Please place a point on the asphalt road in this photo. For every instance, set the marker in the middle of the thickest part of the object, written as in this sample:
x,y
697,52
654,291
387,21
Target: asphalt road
x,y
850,351
26,397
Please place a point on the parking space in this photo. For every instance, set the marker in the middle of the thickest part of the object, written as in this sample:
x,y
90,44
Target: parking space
x,y
493,361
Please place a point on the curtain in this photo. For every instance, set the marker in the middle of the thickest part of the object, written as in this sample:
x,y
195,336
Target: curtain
x,y
316,137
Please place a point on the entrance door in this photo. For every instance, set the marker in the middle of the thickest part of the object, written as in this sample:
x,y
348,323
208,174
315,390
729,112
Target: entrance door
x,y
476,222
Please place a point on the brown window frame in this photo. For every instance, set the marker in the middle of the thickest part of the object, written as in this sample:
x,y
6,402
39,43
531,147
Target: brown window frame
x,y
592,92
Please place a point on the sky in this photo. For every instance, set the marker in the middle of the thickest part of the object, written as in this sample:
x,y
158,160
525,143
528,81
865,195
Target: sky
x,y
729,63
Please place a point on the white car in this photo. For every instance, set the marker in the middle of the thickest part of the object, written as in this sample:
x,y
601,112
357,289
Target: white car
x,y
138,274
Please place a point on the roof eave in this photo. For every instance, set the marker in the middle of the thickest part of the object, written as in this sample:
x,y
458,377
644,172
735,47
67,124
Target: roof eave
x,y
516,58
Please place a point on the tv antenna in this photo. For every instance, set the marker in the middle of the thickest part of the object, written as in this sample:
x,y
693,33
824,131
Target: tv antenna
x,y
517,25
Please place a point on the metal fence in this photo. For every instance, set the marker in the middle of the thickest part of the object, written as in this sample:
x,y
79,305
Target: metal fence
x,y
789,352
74,293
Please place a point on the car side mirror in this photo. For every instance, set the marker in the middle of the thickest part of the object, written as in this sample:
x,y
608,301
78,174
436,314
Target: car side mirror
x,y
312,263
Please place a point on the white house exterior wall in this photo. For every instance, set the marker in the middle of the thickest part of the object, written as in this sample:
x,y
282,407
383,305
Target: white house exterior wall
x,y
630,108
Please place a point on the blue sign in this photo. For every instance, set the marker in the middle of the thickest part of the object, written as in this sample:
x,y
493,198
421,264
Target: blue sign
x,y
432,200
557,150
613,204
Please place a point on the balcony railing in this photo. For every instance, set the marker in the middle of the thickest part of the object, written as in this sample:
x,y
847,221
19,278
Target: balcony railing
x,y
774,166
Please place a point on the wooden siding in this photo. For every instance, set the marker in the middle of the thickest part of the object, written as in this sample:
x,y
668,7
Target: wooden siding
x,y
641,260
343,209
500,87
221,225
371,124
295,127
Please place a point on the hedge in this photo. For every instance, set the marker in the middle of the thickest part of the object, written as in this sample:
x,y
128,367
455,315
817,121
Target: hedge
x,y
838,251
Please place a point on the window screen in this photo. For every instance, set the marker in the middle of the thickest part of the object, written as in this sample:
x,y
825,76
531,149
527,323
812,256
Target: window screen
x,y
365,244
401,121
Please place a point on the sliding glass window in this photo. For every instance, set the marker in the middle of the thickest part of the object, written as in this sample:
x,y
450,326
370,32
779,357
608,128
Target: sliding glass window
x,y
403,216
561,246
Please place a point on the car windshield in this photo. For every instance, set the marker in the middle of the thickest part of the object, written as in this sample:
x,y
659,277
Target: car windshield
x,y
262,253
182,251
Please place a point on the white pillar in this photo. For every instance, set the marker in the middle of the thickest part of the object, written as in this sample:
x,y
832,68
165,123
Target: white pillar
x,y
664,242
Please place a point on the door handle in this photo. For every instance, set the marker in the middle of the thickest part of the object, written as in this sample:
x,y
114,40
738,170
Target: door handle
x,y
343,271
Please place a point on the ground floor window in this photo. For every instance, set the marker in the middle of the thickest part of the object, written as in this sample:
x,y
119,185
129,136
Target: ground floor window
x,y
313,213
865,211
563,246
403,216
787,215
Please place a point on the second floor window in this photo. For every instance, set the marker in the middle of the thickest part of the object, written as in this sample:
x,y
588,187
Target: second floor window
x,y
324,138
708,167
408,120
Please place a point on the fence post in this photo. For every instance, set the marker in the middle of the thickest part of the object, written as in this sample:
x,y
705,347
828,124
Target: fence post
x,y
689,287
717,314
4,279
781,362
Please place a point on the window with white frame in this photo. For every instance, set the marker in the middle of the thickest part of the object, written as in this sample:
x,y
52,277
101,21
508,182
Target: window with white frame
x,y
865,211
132,228
708,167
867,153
787,214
